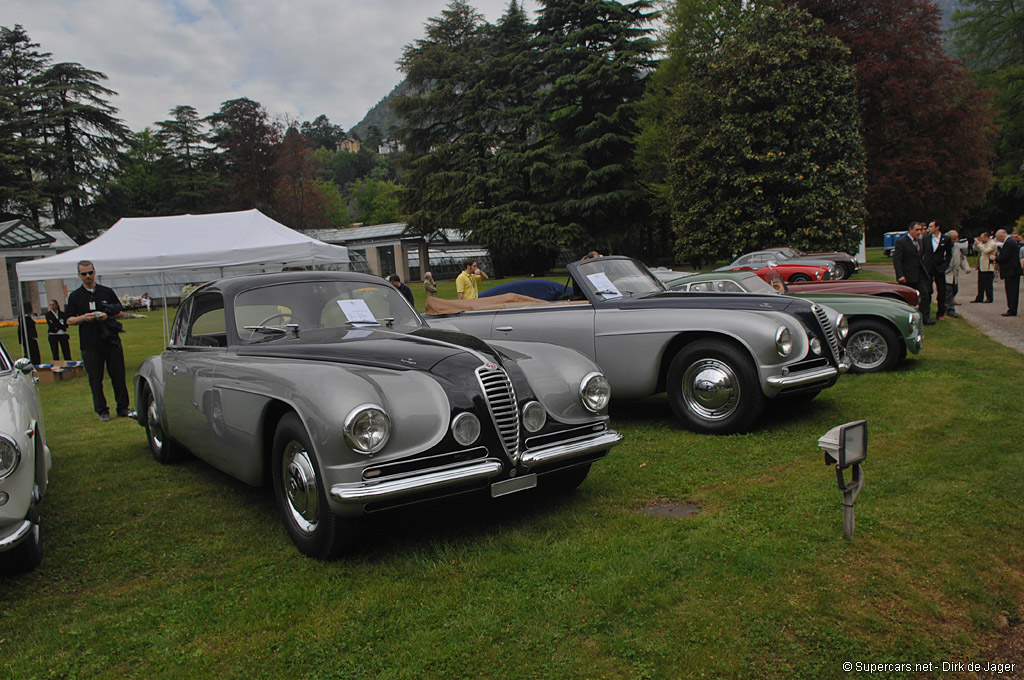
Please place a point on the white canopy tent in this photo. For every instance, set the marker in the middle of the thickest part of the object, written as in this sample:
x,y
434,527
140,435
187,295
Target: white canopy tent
x,y
182,243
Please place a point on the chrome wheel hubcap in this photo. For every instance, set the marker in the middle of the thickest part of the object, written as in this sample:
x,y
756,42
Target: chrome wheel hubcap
x,y
153,424
300,488
867,349
711,389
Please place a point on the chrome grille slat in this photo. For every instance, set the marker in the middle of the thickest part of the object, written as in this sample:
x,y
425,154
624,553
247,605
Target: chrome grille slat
x,y
830,331
501,402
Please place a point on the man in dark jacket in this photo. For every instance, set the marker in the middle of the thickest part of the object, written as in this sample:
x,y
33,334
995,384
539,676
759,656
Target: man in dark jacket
x,y
406,292
910,269
94,308
1010,271
936,252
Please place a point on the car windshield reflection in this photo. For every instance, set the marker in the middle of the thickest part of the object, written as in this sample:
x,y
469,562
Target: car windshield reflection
x,y
612,279
319,310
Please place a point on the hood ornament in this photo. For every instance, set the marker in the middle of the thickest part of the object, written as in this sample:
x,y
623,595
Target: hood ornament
x,y
409,361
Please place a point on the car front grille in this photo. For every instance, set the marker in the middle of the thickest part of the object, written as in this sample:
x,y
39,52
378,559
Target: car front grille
x,y
830,331
501,402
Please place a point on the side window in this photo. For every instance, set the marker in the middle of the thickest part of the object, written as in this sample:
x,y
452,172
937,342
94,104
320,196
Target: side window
x,y
206,327
181,321
729,287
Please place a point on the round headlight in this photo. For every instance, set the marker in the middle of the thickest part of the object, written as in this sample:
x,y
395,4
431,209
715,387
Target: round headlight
x,y
783,341
534,416
595,392
466,428
842,326
816,345
10,456
817,275
367,428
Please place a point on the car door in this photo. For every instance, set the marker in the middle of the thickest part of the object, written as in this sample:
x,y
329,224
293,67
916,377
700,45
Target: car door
x,y
569,325
188,373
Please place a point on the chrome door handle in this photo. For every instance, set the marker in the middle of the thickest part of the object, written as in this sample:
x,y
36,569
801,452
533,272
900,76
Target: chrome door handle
x,y
174,370
506,329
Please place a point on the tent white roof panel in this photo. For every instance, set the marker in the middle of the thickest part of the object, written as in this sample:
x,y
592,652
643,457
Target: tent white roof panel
x,y
150,245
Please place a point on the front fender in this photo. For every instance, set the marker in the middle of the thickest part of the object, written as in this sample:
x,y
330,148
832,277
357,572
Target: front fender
x,y
555,374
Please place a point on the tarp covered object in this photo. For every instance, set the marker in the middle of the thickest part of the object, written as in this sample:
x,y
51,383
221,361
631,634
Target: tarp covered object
x,y
148,245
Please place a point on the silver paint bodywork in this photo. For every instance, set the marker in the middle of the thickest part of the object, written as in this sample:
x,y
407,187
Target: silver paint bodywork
x,y
21,419
223,404
633,340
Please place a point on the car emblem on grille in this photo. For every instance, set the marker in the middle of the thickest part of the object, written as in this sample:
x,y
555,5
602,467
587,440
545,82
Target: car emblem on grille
x,y
489,366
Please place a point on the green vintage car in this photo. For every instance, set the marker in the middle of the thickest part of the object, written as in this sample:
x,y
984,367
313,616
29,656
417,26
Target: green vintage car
x,y
882,330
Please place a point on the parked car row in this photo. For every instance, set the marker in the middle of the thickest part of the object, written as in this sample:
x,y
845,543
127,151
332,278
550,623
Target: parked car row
x,y
329,388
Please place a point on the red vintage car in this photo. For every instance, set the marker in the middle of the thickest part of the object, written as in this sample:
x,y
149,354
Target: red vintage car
x,y
897,291
791,272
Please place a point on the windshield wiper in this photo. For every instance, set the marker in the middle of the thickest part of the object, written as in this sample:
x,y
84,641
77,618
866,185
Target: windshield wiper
x,y
376,322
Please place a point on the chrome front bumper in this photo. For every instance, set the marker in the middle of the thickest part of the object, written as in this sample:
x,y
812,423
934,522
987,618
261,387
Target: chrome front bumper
x,y
439,480
16,537
792,380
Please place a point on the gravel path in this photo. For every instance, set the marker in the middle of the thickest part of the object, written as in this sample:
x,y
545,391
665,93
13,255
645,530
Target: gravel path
x,y
1008,330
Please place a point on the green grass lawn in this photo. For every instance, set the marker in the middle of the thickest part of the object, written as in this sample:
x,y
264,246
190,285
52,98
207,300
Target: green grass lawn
x,y
178,571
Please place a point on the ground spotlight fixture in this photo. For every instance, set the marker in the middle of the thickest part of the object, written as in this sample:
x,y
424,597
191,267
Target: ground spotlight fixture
x,y
846,446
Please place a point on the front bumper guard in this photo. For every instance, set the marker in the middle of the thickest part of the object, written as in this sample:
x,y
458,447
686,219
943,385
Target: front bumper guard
x,y
437,480
793,380
14,539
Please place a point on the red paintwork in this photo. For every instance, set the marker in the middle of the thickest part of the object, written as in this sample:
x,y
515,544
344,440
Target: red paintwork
x,y
786,270
864,287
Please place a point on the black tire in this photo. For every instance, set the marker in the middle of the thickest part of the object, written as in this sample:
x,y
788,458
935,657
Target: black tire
x,y
565,481
300,496
799,278
163,449
28,555
713,387
872,346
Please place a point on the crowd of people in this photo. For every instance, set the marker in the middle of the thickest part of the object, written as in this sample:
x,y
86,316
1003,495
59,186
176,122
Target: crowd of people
x,y
930,260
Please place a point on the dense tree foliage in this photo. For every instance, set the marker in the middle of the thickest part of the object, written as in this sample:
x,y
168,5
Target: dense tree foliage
x,y
766,148
990,35
522,134
927,127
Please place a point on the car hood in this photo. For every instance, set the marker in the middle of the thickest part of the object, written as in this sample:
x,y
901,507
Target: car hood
x,y
420,350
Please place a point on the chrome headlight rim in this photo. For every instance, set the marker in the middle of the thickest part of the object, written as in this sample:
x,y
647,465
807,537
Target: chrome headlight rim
x,y
534,416
10,455
464,420
842,326
595,403
783,341
354,418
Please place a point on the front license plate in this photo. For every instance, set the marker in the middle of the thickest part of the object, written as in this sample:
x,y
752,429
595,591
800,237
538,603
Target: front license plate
x,y
507,486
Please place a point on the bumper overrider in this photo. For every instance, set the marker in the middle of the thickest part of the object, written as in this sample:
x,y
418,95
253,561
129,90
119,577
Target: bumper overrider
x,y
439,480
815,377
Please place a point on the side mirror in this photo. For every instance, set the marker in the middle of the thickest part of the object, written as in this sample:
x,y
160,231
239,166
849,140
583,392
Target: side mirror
x,y
24,365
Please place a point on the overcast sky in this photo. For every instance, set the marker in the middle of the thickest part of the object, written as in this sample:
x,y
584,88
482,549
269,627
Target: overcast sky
x,y
299,59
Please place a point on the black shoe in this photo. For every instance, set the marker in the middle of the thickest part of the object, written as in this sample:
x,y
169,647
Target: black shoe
x,y
1009,314
953,315
125,413
929,322
104,417
977,300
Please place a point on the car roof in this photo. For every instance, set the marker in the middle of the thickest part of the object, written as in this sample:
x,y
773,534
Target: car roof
x,y
232,286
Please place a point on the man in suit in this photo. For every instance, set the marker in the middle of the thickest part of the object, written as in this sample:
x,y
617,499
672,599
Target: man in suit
x,y
987,249
1010,271
936,252
910,269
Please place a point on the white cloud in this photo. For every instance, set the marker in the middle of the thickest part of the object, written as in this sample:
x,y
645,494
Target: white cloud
x,y
300,59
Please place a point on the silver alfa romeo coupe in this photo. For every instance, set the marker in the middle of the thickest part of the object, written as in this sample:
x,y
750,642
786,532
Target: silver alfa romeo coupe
x,y
331,387
719,357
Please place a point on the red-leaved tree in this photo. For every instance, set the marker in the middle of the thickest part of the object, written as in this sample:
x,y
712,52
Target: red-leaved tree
x,y
927,128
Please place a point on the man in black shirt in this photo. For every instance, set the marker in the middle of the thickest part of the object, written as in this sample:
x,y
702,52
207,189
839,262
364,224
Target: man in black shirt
x,y
94,308
406,292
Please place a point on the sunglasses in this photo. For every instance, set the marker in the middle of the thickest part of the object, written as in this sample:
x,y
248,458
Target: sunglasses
x,y
88,273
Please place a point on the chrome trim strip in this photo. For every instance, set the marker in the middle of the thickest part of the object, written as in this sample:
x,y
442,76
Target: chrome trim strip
x,y
17,537
580,447
367,492
795,380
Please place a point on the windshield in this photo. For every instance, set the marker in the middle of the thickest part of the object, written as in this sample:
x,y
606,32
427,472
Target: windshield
x,y
612,279
313,309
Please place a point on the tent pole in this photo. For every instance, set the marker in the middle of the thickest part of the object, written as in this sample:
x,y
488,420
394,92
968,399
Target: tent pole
x,y
19,314
163,286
